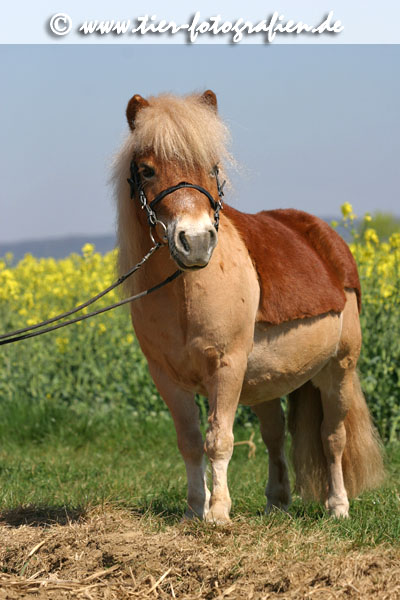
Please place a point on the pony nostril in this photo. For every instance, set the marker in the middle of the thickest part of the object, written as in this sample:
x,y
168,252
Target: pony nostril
x,y
213,235
183,241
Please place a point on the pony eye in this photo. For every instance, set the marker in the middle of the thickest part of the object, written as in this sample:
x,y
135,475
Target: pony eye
x,y
214,171
147,172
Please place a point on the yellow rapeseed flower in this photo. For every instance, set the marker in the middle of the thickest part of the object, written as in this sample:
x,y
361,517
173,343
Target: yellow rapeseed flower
x,y
346,209
88,250
370,235
394,240
62,344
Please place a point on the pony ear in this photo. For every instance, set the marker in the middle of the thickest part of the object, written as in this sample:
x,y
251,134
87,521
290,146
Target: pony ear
x,y
134,105
211,99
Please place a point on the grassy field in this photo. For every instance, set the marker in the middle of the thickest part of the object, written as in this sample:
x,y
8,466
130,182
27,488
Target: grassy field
x,y
105,512
137,466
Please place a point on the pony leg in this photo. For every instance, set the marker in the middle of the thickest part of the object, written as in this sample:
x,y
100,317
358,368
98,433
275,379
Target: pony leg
x,y
224,393
272,426
336,450
337,390
185,414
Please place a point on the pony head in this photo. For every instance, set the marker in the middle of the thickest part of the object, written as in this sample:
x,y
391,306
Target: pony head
x,y
173,140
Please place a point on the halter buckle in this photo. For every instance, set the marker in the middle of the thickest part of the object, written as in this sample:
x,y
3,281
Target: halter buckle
x,y
164,238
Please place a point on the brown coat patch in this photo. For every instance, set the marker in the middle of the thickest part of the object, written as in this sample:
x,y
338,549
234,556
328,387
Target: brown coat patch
x,y
303,265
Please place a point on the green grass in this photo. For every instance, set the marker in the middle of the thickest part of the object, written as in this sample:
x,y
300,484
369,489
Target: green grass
x,y
116,459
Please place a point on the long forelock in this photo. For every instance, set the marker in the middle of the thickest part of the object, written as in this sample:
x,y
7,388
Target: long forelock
x,y
184,130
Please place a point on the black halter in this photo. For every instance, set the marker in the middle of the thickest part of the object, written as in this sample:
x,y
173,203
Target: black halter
x,y
137,187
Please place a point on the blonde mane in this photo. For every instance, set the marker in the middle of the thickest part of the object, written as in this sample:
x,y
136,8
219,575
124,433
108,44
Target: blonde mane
x,y
181,129
185,130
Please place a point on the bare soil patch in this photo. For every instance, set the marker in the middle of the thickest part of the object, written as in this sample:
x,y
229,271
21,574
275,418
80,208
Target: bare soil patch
x,y
111,554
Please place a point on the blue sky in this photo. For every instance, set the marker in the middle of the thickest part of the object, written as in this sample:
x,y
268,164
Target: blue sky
x,y
312,126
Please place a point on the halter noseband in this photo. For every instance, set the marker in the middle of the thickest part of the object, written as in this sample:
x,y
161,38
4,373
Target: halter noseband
x,y
137,187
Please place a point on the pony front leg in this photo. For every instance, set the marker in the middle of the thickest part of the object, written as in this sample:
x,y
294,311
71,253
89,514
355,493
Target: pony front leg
x,y
185,414
223,398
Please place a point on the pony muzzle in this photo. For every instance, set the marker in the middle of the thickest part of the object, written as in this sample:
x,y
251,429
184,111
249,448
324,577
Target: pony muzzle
x,y
191,247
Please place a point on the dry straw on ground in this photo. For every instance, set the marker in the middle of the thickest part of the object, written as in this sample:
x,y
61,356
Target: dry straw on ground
x,y
110,554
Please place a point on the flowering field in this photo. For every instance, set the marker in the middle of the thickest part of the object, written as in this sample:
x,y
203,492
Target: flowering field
x,y
95,369
379,365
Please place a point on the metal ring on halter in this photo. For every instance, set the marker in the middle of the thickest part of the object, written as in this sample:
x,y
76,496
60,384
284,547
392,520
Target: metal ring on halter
x,y
164,238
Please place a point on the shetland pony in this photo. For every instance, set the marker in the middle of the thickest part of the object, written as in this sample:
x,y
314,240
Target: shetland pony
x,y
266,306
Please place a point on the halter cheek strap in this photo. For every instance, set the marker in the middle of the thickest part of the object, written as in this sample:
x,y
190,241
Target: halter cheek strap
x,y
137,187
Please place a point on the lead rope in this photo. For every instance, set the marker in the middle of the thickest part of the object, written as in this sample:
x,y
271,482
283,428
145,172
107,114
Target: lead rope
x,y
14,336
136,186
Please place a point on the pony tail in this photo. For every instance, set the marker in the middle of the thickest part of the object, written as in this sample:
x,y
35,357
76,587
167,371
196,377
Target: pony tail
x,y
362,461
363,454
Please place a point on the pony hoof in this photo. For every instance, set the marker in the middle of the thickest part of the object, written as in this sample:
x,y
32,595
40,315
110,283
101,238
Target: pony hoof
x,y
278,499
217,516
189,516
275,507
192,514
339,511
